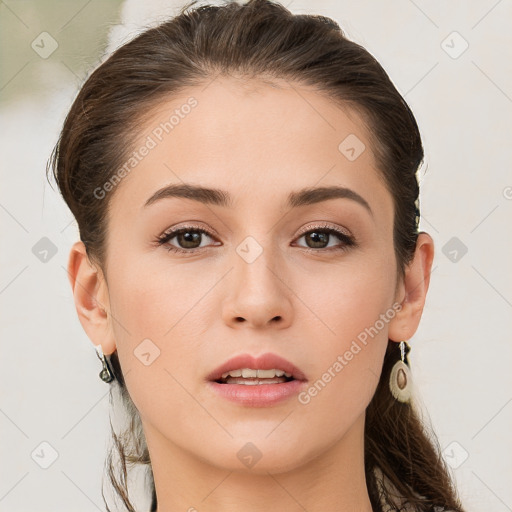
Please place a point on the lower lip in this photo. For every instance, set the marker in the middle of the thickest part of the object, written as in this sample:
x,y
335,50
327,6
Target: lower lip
x,y
260,395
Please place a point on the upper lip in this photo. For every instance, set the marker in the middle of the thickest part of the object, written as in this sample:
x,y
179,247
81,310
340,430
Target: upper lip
x,y
266,361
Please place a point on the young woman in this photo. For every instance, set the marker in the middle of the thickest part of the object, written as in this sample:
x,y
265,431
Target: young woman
x,y
250,267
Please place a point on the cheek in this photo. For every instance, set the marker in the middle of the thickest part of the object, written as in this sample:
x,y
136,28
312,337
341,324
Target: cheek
x,y
352,308
160,321
343,300
158,325
158,301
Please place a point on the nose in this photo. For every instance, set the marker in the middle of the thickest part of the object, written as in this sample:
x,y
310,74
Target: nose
x,y
258,296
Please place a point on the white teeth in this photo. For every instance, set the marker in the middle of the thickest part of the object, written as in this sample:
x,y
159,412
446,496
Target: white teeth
x,y
248,373
254,382
269,374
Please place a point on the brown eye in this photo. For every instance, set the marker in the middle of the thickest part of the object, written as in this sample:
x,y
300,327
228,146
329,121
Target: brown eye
x,y
188,239
319,238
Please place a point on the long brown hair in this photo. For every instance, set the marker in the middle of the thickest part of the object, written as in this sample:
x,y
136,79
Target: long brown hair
x,y
257,39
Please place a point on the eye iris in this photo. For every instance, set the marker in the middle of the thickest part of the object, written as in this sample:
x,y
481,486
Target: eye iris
x,y
189,237
318,238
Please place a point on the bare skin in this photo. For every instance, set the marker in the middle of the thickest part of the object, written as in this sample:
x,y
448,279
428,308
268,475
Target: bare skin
x,y
259,143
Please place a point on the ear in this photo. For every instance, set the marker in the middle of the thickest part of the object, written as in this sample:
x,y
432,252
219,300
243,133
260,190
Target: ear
x,y
412,292
90,293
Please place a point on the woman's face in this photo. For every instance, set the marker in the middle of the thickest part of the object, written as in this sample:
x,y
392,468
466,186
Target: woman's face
x,y
256,274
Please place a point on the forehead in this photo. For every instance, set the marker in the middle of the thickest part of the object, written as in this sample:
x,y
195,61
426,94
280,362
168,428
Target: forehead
x,y
257,139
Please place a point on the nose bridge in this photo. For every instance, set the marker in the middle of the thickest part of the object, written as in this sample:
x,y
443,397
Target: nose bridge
x,y
257,291
256,265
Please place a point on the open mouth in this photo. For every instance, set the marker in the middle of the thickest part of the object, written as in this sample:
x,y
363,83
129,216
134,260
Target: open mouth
x,y
257,382
251,381
252,377
257,372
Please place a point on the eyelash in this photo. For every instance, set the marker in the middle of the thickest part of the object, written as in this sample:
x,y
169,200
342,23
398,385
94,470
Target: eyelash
x,y
347,240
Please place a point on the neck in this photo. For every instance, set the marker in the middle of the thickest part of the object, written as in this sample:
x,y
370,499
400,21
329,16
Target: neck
x,y
333,479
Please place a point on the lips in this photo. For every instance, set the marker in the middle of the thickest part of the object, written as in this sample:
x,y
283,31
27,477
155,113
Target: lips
x,y
266,361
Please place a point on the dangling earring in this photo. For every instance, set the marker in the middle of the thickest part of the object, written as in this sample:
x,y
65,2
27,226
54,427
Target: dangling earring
x,y
400,380
106,374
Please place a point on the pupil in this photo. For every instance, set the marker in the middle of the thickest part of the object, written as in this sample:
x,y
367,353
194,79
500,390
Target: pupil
x,y
319,238
189,237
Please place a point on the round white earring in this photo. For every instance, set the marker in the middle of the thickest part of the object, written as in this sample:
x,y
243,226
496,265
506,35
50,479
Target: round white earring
x,y
400,379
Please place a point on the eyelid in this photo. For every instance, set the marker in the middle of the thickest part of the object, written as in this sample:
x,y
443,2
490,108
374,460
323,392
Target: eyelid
x,y
325,225
190,225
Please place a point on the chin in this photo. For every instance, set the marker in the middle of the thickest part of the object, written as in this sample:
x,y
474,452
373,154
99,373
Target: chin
x,y
256,459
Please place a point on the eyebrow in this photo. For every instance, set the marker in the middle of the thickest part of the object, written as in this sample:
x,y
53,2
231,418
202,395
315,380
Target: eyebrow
x,y
303,197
